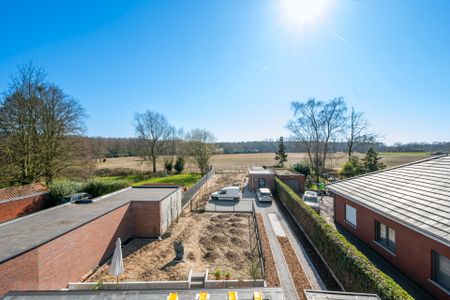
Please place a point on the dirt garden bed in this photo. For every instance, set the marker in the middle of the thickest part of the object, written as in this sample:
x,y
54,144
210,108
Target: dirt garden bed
x,y
301,282
211,241
270,268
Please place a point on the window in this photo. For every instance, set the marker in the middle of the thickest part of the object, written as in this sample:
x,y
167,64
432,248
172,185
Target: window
x,y
441,270
350,214
262,182
385,236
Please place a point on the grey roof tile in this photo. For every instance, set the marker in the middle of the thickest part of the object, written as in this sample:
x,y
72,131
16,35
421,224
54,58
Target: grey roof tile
x,y
416,194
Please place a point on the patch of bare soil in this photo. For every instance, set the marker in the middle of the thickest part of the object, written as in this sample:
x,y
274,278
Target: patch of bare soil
x,y
210,242
301,282
270,269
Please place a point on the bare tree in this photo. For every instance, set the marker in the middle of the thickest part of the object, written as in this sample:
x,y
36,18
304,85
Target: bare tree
x,y
37,120
315,125
201,146
154,131
358,132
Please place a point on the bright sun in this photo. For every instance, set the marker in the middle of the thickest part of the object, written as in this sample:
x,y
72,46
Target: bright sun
x,y
299,12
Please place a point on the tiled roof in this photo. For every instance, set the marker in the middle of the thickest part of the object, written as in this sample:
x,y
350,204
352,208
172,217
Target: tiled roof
x,y
416,195
14,192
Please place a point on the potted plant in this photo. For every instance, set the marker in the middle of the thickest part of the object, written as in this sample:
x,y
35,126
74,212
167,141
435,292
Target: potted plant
x,y
227,275
217,274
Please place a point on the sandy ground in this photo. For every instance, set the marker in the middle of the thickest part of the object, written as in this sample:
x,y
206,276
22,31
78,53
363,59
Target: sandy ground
x,y
243,161
211,241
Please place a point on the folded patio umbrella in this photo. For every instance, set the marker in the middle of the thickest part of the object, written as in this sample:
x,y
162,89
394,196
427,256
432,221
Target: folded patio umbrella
x,y
117,262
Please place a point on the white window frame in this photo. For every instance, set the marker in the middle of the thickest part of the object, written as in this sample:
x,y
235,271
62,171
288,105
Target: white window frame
x,y
350,218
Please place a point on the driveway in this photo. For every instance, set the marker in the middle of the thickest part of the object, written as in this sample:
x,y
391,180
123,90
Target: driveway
x,y
243,205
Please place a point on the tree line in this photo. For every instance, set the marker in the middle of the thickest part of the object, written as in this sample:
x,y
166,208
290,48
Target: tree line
x,y
42,135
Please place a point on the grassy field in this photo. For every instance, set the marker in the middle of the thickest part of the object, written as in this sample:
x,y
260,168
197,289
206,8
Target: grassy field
x,y
244,161
185,179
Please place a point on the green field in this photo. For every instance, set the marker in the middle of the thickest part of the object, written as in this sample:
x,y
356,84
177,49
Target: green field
x,y
186,180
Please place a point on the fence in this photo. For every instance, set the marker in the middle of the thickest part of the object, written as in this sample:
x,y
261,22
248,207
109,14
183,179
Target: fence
x,y
232,171
254,225
191,193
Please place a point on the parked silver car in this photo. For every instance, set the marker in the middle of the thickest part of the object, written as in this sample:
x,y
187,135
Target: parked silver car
x,y
264,195
311,199
78,198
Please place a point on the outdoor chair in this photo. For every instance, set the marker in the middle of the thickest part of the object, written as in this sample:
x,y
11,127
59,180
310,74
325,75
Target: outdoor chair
x,y
257,295
202,296
233,295
172,296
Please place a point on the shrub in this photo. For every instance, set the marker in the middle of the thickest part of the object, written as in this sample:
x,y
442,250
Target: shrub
x,y
95,187
354,271
100,187
302,167
63,187
179,164
168,166
218,274
353,167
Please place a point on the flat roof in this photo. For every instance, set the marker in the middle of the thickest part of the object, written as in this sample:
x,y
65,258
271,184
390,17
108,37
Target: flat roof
x,y
247,293
333,295
23,234
416,195
285,172
259,171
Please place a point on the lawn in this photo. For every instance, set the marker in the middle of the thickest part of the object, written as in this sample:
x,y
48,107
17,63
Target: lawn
x,y
186,180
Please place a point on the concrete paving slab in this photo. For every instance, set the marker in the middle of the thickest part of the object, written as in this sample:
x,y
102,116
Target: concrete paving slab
x,y
276,225
243,205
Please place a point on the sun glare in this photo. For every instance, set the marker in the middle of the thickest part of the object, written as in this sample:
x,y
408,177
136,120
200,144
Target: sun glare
x,y
300,12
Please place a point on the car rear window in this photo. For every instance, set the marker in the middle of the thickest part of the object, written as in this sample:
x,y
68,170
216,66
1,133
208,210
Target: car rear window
x,y
310,199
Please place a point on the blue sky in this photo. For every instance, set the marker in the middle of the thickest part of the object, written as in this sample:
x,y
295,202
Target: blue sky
x,y
234,66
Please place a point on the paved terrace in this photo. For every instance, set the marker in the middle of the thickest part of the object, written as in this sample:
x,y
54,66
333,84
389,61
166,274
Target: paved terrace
x,y
24,234
244,294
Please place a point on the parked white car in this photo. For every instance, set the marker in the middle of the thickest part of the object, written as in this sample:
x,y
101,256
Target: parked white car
x,y
264,195
312,200
227,193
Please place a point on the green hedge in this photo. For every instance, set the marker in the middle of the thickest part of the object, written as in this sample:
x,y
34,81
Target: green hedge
x,y
95,187
354,271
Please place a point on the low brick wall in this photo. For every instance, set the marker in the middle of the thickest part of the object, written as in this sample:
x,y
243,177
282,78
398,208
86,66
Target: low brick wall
x,y
143,285
15,208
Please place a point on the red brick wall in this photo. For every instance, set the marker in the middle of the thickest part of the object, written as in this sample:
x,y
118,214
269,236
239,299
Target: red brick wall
x,y
17,208
413,254
69,257
253,181
300,178
146,219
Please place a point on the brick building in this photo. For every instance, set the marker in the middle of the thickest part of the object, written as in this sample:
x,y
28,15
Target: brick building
x,y
294,180
265,178
403,213
46,250
260,178
18,201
